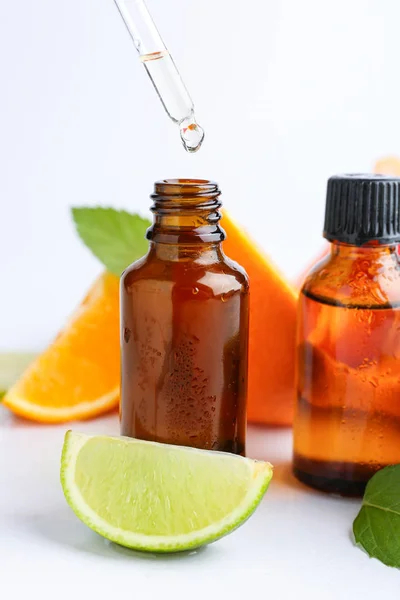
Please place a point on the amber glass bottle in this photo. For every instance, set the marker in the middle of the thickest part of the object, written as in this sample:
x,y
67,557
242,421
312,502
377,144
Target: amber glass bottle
x,y
184,327
347,423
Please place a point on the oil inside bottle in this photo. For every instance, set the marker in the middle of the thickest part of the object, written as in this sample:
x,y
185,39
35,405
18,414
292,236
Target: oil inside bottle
x,y
348,411
184,318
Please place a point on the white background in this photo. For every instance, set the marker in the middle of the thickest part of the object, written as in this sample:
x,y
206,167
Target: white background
x,y
289,92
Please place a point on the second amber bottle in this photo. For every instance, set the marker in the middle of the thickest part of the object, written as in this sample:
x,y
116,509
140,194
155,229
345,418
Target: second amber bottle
x,y
347,421
184,327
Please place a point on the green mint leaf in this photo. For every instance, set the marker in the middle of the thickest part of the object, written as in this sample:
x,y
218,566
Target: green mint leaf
x,y
377,525
115,237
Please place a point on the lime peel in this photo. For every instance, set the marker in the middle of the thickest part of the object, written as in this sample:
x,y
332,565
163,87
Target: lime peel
x,y
131,510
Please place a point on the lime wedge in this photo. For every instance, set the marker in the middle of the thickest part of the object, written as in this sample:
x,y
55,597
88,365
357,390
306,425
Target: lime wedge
x,y
12,365
156,497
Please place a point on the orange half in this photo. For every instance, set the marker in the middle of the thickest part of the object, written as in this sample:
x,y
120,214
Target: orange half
x,y
272,334
77,376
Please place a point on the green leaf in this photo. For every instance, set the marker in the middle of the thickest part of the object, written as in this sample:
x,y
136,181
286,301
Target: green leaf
x,y
115,237
377,525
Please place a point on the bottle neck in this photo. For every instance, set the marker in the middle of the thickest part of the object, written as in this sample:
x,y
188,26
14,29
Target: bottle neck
x,y
370,251
186,212
198,253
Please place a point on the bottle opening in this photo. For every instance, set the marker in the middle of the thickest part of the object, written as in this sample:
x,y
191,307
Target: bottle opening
x,y
186,211
186,187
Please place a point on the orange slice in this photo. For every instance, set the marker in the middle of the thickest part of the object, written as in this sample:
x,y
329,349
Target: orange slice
x,y
272,331
77,377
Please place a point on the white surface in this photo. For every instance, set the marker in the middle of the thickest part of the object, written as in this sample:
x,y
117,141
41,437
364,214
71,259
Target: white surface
x,y
289,93
298,544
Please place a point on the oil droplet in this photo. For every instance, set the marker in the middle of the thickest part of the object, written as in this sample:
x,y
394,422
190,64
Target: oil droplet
x,y
192,134
195,290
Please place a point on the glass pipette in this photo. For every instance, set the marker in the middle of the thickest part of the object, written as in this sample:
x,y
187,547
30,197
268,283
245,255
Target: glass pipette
x,y
162,71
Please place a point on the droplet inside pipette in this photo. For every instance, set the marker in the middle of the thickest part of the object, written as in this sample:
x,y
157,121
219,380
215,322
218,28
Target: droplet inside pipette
x,y
192,134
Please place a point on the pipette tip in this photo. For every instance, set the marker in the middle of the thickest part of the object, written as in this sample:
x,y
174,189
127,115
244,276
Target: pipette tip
x,y
192,134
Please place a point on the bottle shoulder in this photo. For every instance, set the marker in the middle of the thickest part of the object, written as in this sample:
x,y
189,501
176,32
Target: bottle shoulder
x,y
134,270
232,268
365,280
221,276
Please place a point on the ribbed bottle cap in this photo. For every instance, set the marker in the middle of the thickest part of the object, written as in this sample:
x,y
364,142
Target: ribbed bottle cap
x,y
362,208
